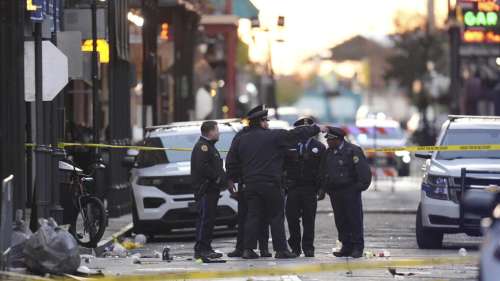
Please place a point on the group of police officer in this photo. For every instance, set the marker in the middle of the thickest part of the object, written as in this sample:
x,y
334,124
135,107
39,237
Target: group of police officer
x,y
270,165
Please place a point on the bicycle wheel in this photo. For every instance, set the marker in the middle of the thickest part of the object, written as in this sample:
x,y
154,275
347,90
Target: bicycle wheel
x,y
90,223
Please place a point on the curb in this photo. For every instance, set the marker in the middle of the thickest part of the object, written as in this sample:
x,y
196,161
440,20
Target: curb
x,y
378,211
14,276
104,243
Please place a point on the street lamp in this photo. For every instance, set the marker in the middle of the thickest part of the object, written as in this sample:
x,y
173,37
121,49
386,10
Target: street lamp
x,y
271,90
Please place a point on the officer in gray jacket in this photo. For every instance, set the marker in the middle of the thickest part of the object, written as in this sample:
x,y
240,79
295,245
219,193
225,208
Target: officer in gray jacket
x,y
344,174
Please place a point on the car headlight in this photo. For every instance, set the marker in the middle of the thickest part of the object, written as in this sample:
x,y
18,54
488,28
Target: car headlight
x,y
436,187
150,181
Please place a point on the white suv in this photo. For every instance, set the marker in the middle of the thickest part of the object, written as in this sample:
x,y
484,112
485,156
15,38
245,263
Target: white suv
x,y
447,174
163,198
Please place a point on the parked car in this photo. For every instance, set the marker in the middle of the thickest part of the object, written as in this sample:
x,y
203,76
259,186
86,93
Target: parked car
x,y
163,198
449,174
375,133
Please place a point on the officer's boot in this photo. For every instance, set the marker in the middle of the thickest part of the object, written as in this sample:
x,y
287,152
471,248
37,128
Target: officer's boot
x,y
264,253
237,253
286,254
249,254
357,252
345,251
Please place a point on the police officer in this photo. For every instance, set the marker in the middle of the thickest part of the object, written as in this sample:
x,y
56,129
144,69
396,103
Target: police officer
x,y
208,179
259,153
345,173
301,179
235,171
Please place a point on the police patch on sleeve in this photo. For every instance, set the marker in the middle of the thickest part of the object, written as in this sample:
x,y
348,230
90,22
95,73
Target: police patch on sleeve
x,y
204,148
315,150
355,159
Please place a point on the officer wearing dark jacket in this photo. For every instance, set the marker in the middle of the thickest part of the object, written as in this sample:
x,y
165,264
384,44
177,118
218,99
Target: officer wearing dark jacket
x,y
208,179
301,179
259,154
344,174
236,172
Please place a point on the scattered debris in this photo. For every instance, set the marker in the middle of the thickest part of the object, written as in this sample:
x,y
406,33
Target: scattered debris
x,y
394,273
384,253
166,254
20,235
462,252
140,239
52,250
369,254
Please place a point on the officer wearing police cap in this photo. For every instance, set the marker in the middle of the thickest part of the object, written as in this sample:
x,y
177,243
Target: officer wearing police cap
x,y
301,180
344,174
258,153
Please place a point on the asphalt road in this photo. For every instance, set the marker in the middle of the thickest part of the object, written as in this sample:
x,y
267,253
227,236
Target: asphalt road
x,y
392,231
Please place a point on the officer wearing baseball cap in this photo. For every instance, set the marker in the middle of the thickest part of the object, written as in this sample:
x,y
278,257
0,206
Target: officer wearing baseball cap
x,y
258,154
344,174
301,180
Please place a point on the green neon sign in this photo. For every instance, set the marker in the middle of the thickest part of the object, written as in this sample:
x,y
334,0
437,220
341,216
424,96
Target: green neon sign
x,y
480,18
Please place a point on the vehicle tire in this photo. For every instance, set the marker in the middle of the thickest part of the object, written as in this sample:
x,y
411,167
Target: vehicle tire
x,y
427,238
88,231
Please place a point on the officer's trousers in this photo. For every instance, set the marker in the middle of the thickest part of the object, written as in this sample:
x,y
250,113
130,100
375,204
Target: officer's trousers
x,y
242,218
207,211
265,204
301,203
348,213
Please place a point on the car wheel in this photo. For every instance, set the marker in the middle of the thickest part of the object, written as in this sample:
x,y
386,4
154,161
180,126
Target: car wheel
x,y
427,238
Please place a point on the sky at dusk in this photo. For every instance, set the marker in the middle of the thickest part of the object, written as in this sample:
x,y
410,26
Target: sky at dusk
x,y
316,25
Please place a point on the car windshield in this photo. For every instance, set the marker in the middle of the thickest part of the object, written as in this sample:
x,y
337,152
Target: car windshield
x,y
188,141
150,158
378,132
470,137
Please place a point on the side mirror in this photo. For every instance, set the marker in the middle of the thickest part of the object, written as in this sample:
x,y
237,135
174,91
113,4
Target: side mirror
x,y
128,162
479,202
423,155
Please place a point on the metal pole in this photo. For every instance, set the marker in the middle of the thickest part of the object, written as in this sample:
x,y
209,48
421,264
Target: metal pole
x,y
58,154
454,33
41,151
95,90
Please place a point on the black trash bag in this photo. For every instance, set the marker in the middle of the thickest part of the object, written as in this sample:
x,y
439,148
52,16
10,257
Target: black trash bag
x,y
20,235
52,250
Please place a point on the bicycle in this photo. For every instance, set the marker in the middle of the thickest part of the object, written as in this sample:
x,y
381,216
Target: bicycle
x,y
89,219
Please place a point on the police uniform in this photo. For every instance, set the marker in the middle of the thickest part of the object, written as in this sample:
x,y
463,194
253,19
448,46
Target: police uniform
x,y
208,178
234,172
345,173
259,153
301,179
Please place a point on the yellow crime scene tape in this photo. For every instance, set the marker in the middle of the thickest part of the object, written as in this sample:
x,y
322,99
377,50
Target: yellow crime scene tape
x,y
384,149
295,270
437,148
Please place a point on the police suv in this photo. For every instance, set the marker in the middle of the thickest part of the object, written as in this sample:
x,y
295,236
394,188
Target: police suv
x,y
449,174
163,198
